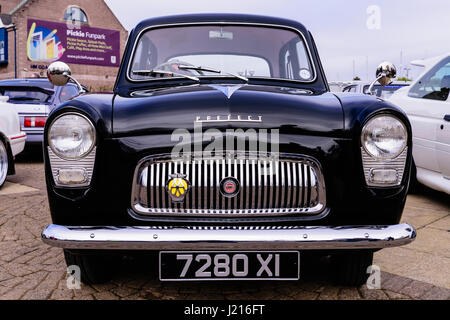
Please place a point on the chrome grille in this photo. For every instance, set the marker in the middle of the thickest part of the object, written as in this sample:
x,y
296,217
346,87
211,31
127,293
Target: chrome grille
x,y
268,186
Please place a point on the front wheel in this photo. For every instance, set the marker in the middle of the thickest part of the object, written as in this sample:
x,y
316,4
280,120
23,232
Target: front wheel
x,y
94,268
350,268
3,163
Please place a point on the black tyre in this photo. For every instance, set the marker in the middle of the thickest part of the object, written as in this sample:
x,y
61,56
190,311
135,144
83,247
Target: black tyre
x,y
350,268
4,163
414,184
94,268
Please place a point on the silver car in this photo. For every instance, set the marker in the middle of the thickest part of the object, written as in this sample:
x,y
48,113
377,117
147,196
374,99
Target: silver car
x,y
33,100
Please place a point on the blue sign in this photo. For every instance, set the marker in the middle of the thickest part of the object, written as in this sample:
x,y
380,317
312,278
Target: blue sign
x,y
3,46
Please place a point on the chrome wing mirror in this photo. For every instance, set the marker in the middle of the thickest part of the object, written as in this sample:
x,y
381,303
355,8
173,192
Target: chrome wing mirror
x,y
58,73
386,72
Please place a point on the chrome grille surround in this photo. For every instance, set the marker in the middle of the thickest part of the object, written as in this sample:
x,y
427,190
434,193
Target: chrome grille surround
x,y
370,163
294,184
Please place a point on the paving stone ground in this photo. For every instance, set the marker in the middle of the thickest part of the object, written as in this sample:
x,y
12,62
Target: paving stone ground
x,y
30,269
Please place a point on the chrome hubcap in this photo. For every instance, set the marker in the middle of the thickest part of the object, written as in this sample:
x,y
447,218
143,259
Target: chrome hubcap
x,y
3,163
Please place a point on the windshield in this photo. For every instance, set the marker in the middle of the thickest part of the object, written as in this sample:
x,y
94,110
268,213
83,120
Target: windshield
x,y
384,92
435,84
248,51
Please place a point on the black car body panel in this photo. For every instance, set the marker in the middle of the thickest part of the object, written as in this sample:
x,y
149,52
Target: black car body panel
x,y
331,135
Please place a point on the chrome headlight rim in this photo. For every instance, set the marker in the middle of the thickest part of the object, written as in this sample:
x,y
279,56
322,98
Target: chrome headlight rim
x,y
94,140
395,155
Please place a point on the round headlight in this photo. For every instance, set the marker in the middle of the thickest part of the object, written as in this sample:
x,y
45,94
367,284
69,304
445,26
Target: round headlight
x,y
71,136
384,137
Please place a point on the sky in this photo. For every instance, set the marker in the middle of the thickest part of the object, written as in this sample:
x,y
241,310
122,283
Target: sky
x,y
352,36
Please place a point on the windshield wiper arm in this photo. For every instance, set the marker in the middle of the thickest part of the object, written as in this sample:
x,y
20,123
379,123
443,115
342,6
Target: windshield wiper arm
x,y
154,72
208,69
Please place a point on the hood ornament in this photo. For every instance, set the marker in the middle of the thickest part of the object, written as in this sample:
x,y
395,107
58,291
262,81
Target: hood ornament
x,y
227,90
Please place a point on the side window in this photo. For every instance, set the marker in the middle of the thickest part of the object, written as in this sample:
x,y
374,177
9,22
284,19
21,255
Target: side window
x,y
435,84
67,92
349,89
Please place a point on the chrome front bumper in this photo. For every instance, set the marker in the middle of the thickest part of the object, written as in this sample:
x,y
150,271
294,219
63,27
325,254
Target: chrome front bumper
x,y
227,238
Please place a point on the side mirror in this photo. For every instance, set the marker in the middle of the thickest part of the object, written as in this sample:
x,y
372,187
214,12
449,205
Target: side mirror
x,y
58,73
386,72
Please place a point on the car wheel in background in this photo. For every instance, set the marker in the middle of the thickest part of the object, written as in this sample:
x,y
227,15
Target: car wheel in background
x,y
94,268
350,268
3,163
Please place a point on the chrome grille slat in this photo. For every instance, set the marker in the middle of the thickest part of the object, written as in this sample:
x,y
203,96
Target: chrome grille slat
x,y
241,193
283,189
268,186
150,184
217,184
288,187
235,174
302,185
295,177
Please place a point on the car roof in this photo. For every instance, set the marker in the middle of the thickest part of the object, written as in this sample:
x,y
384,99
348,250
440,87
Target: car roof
x,y
429,61
31,82
219,17
27,82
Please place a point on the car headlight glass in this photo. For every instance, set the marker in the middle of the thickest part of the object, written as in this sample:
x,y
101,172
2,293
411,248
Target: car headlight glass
x,y
384,137
71,136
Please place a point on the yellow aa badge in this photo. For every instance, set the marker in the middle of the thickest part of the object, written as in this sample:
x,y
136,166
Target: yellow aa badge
x,y
177,187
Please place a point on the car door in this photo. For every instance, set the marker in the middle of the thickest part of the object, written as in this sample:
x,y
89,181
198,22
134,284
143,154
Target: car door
x,y
427,104
443,140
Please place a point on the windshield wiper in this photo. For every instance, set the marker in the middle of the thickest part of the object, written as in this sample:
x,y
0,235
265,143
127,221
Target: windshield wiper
x,y
208,69
154,72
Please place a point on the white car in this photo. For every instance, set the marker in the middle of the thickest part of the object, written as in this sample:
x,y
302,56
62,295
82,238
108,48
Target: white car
x,y
427,103
378,90
12,138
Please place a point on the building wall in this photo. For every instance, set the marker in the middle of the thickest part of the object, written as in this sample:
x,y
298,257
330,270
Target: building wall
x,y
8,5
97,78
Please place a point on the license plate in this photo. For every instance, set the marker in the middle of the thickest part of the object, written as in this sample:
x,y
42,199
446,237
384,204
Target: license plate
x,y
228,265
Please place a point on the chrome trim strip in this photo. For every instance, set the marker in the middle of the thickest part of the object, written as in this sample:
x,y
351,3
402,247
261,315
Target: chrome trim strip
x,y
311,60
227,238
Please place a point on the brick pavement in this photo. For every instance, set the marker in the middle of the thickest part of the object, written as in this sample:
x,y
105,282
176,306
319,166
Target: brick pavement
x,y
30,269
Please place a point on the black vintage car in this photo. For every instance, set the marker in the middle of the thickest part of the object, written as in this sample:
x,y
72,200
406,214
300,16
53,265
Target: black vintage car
x,y
222,149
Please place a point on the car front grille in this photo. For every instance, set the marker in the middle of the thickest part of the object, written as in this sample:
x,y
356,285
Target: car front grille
x,y
268,186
